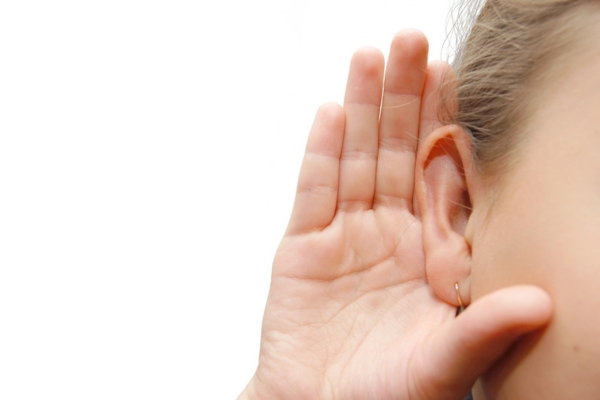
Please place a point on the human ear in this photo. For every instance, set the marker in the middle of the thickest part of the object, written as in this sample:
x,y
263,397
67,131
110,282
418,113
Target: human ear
x,y
443,176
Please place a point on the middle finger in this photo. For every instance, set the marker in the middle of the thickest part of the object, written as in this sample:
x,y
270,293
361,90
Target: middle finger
x,y
400,115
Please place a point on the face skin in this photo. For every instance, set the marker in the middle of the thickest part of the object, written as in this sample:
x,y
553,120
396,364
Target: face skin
x,y
545,230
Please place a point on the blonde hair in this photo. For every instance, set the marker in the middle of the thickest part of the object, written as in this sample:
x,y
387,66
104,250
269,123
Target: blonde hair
x,y
511,50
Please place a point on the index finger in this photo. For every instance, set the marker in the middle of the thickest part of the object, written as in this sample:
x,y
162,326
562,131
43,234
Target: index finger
x,y
439,88
439,98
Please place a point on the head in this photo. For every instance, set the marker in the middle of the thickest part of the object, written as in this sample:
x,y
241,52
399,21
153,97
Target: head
x,y
509,188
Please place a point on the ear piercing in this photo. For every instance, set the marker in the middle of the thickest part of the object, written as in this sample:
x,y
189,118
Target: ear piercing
x,y
460,303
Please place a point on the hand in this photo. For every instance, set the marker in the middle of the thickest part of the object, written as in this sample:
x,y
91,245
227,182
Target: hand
x,y
350,314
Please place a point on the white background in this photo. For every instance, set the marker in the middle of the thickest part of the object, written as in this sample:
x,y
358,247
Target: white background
x,y
148,157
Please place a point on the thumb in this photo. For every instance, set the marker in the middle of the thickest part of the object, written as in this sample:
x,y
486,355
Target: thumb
x,y
468,346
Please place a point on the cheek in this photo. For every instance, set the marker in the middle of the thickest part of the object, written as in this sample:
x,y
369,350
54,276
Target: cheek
x,y
555,247
503,254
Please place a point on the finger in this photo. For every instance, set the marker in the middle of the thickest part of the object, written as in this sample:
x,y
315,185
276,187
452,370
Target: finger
x,y
437,104
399,126
316,195
359,152
482,334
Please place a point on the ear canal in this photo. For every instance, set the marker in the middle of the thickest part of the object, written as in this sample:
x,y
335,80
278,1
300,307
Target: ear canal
x,y
443,165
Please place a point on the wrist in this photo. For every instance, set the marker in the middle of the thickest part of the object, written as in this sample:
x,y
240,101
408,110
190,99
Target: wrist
x,y
255,390
277,387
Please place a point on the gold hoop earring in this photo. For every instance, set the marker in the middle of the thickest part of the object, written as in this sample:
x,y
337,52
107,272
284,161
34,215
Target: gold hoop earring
x,y
461,307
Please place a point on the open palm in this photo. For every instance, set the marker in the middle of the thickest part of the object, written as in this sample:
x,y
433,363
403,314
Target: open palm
x,y
350,314
351,263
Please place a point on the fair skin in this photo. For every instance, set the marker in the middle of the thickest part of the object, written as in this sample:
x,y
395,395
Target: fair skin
x,y
351,313
542,229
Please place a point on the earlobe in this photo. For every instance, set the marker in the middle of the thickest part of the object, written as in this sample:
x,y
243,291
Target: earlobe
x,y
442,186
